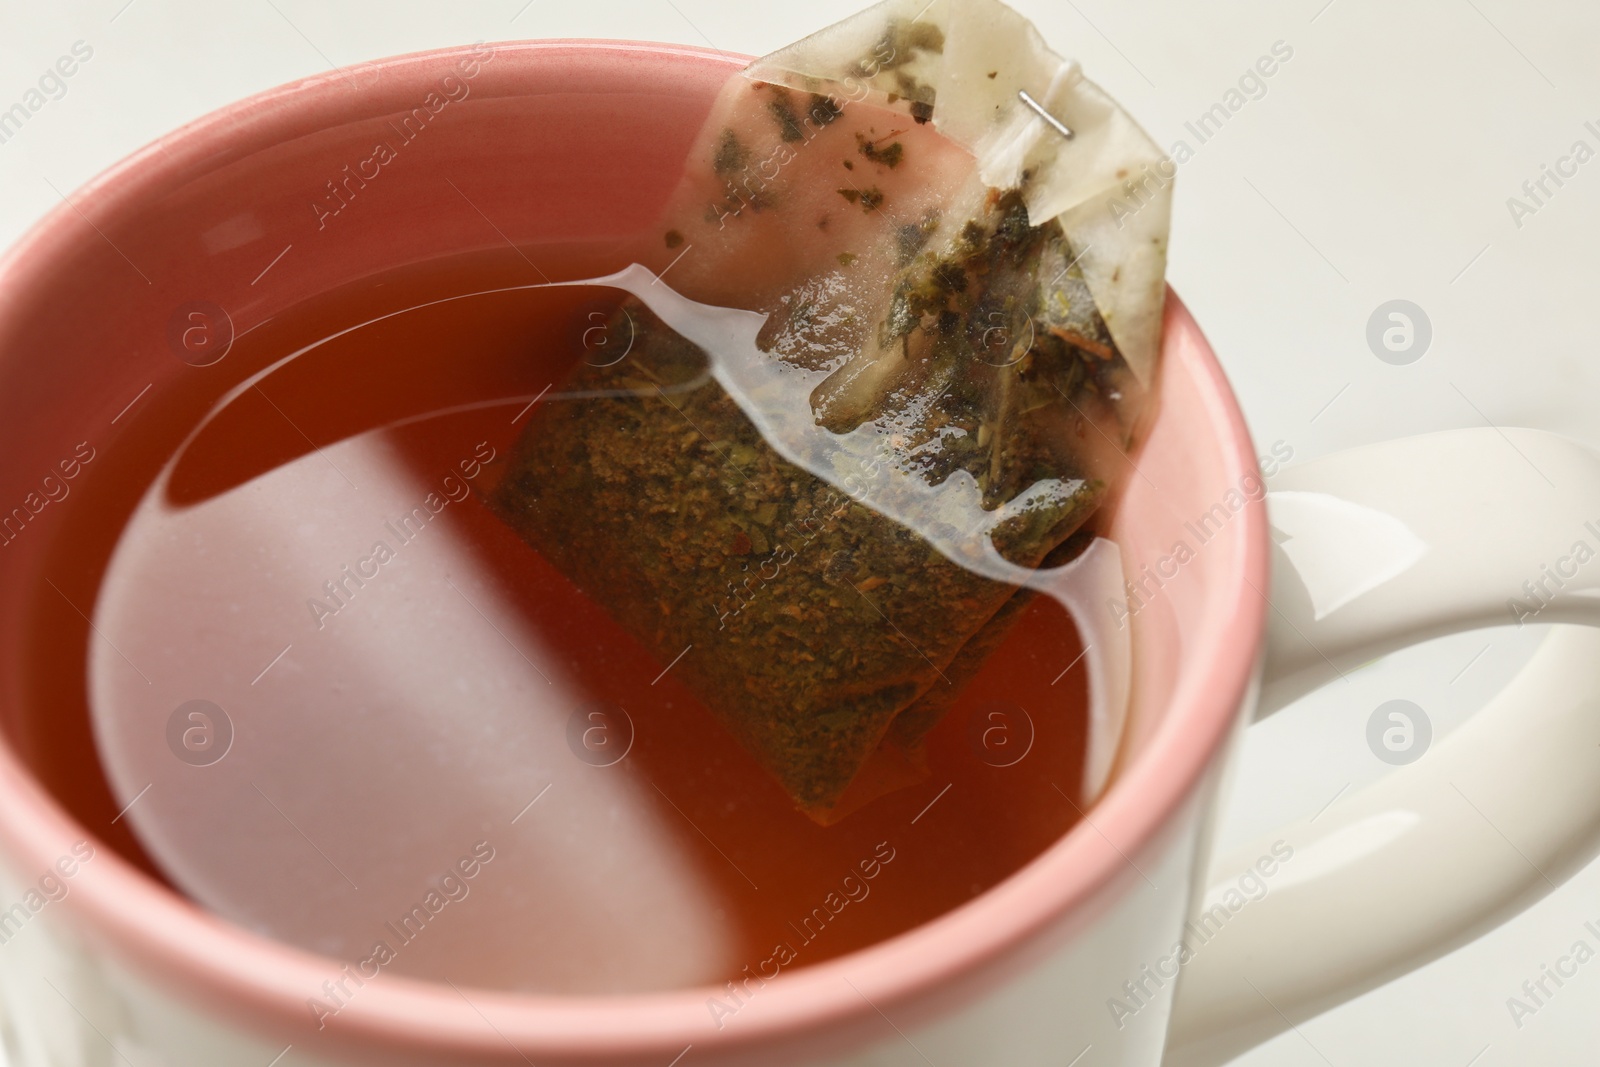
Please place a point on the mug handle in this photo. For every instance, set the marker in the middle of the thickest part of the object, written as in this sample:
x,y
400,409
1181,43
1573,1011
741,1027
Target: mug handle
x,y
1379,548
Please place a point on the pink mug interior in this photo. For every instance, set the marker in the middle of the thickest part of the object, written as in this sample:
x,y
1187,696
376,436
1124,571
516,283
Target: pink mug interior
x,y
87,302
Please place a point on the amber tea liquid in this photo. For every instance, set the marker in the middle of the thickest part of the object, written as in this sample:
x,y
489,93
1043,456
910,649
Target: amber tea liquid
x,y
430,395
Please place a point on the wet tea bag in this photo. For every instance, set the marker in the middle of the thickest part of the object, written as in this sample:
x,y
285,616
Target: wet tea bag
x,y
906,326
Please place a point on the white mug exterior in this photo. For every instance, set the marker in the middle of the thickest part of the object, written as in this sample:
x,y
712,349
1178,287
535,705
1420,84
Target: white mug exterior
x,y
1474,528
1439,551
1388,879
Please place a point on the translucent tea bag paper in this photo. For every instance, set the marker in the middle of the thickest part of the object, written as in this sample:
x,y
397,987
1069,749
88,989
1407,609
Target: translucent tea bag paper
x,y
906,343
987,57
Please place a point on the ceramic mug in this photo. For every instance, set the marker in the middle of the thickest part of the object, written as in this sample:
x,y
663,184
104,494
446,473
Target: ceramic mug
x,y
1124,943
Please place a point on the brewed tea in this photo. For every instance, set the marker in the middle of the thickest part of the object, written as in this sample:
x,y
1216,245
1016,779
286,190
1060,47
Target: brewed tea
x,y
405,678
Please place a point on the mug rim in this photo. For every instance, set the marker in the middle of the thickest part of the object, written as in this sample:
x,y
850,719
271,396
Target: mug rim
x,y
268,982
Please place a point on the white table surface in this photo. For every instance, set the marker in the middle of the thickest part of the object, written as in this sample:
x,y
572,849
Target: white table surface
x,y
1376,166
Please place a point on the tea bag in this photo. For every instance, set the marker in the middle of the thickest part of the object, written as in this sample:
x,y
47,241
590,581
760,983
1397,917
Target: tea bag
x,y
916,299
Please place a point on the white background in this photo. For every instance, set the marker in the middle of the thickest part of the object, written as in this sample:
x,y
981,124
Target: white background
x,y
1376,166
